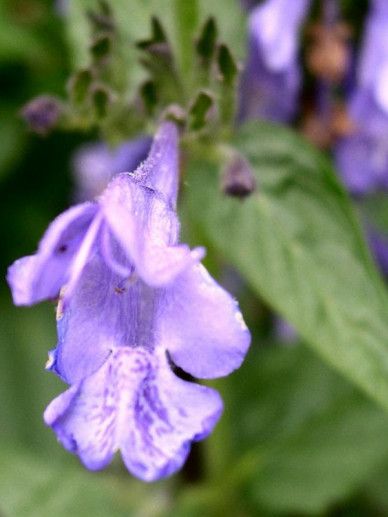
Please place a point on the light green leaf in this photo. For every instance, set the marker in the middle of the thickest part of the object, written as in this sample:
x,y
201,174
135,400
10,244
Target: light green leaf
x,y
297,243
375,208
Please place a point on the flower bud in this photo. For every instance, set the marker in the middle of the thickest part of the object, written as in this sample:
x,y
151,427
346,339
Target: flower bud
x,y
42,114
238,179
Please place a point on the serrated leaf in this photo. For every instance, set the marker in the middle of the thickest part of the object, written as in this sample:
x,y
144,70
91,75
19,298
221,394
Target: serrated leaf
x,y
298,244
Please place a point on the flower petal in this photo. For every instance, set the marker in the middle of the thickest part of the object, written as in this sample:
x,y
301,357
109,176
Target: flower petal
x,y
134,403
160,171
105,311
41,276
202,326
147,229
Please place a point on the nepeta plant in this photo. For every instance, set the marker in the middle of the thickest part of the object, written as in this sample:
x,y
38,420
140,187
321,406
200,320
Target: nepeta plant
x,y
180,125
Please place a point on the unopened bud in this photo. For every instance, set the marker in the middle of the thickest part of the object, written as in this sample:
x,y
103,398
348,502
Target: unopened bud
x,y
42,114
238,179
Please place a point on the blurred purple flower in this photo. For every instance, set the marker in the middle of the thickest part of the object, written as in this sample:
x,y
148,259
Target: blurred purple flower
x,y
271,80
362,157
134,300
249,4
61,7
94,165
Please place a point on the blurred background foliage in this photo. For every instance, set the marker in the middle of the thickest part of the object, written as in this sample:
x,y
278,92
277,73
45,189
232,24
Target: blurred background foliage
x,y
297,437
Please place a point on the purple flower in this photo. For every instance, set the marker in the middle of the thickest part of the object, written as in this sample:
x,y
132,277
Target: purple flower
x,y
271,80
135,404
134,217
136,302
94,165
362,157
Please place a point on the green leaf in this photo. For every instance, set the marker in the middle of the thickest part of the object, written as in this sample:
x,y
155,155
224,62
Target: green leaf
x,y
199,110
227,65
101,47
305,437
31,487
375,208
297,243
206,43
231,22
149,95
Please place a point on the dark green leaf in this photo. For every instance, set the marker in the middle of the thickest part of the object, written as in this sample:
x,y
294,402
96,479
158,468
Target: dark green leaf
x,y
101,47
206,43
227,65
199,110
149,95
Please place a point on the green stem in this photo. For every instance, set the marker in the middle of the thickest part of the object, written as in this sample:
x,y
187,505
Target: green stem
x,y
186,23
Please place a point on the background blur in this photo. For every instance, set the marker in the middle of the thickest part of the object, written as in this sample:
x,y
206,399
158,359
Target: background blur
x,y
295,439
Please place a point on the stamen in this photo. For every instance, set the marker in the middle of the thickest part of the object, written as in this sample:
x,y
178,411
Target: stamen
x,y
126,283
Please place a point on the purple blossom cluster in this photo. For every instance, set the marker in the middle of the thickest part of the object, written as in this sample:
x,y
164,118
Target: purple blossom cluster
x,y
271,82
132,303
362,157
